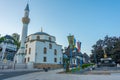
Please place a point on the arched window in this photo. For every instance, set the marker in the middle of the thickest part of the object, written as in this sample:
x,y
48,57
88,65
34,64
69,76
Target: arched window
x,y
50,38
44,59
50,46
28,59
26,51
55,59
55,52
29,50
38,37
45,50
26,45
28,39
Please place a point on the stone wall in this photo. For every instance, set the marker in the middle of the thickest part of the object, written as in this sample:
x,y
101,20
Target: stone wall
x,y
51,66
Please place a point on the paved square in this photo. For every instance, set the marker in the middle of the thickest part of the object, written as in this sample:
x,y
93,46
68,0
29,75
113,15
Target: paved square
x,y
51,75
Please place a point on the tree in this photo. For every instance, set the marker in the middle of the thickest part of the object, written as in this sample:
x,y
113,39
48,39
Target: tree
x,y
112,49
2,39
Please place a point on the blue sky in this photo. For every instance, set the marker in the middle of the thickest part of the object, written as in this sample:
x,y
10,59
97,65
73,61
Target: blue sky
x,y
87,20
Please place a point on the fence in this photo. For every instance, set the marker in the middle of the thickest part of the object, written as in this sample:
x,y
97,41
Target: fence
x,y
11,65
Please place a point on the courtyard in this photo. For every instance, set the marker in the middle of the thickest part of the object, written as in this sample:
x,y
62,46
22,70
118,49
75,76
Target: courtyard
x,y
54,75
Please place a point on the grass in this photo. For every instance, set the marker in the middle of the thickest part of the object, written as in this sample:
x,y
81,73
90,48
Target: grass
x,y
79,68
75,69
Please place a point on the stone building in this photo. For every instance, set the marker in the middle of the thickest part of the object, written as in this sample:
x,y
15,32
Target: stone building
x,y
42,49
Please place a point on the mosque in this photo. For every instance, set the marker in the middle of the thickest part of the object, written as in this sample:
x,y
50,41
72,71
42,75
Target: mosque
x,y
39,48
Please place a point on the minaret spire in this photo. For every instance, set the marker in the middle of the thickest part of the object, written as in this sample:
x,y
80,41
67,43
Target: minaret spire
x,y
27,7
41,29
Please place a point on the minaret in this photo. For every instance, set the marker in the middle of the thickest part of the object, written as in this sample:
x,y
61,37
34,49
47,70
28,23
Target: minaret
x,y
25,21
21,52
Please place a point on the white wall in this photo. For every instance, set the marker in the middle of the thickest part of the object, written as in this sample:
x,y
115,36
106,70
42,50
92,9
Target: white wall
x,y
50,52
32,55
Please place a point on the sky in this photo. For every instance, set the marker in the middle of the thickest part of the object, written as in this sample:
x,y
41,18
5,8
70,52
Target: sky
x,y
87,20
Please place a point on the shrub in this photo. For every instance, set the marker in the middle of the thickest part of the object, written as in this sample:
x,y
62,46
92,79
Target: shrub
x,y
86,65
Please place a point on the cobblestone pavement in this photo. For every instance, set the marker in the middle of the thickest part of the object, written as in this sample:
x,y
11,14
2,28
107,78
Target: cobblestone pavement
x,y
53,75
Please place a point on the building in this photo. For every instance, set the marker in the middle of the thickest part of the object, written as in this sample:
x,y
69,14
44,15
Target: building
x,y
75,57
39,48
16,36
86,58
8,48
42,49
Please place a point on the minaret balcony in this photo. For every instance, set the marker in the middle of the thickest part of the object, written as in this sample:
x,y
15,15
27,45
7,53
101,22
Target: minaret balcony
x,y
25,20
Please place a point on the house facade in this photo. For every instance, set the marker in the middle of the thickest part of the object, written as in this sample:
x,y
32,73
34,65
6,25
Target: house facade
x,y
8,48
75,57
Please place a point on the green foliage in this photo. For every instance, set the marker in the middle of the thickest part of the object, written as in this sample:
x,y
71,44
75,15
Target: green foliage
x,y
86,65
112,49
17,43
2,39
75,69
83,67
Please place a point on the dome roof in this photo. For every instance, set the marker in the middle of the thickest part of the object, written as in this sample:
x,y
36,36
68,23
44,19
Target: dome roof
x,y
41,33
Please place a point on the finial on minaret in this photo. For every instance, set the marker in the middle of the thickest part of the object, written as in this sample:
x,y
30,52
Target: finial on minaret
x,y
27,7
41,29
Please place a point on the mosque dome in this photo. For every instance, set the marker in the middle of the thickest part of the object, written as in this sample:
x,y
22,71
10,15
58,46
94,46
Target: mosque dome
x,y
41,33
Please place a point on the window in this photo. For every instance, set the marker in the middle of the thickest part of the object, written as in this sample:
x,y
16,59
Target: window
x,y
50,38
38,37
55,52
28,59
26,51
25,60
44,59
28,38
45,50
55,59
26,45
29,50
74,61
50,46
